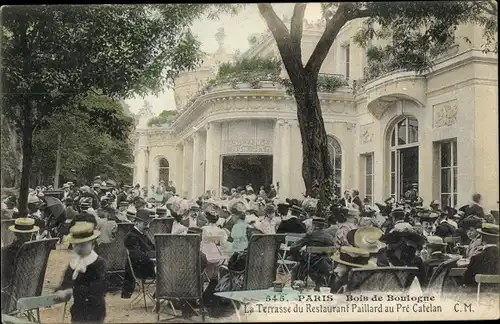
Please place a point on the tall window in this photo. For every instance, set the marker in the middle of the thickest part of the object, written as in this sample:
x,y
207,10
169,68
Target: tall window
x,y
404,156
347,60
448,152
163,170
369,177
336,156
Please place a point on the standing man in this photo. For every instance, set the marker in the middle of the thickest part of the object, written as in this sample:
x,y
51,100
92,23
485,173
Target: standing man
x,y
170,187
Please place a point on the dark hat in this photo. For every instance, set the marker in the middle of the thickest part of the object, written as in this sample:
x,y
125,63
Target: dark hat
x,y
143,215
292,202
211,217
161,210
283,208
398,212
318,220
130,213
471,222
409,237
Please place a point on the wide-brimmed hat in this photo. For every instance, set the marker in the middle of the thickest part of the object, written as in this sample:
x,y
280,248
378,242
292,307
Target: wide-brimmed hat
x,y
398,212
296,211
82,232
489,229
161,211
24,225
353,257
435,240
130,213
237,206
33,199
368,238
143,215
408,236
292,202
434,203
352,212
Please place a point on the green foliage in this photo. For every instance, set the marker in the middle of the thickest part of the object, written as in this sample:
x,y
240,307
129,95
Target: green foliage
x,y
165,117
419,32
86,147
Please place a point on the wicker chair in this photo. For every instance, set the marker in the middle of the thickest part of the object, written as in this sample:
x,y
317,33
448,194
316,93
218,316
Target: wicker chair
x,y
380,279
160,226
7,236
262,262
439,276
178,273
115,253
28,275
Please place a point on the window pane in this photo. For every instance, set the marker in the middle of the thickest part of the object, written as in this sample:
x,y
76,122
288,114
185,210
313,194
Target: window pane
x,y
445,200
393,183
164,174
369,189
455,201
393,137
402,132
454,179
369,164
164,163
338,161
445,154
454,147
393,161
445,180
412,130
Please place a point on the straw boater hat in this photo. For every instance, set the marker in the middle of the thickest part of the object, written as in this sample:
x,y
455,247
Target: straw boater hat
x,y
24,225
353,257
435,241
489,229
123,204
82,232
368,238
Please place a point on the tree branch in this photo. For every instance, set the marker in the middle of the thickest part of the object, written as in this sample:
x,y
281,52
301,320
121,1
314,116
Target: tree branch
x,y
344,13
276,26
296,27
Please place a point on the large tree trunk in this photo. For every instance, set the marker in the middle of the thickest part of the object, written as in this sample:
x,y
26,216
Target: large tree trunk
x,y
316,164
26,169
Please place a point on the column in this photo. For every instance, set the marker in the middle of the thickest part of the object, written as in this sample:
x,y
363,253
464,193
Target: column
x,y
212,159
277,152
197,159
186,164
285,160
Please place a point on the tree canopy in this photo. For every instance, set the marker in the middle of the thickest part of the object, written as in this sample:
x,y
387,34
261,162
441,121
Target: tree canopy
x,y
165,117
419,32
54,57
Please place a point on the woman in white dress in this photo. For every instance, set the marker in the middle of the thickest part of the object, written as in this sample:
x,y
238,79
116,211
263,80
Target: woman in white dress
x,y
214,241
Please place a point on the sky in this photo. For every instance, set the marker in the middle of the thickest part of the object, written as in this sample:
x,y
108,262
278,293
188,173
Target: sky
x,y
237,29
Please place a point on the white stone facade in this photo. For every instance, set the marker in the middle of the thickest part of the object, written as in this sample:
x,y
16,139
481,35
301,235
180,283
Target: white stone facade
x,y
456,103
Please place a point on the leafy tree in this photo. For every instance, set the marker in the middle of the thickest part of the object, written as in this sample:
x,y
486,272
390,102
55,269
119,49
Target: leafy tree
x,y
164,117
419,30
86,147
55,56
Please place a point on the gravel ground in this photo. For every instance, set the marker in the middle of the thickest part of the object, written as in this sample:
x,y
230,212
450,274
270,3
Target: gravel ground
x,y
118,309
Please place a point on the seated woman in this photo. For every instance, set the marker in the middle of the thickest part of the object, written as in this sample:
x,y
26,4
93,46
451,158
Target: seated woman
x,y
213,249
239,229
345,260
401,251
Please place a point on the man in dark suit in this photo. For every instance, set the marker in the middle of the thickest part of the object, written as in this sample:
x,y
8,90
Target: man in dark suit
x,y
485,259
141,249
435,247
294,223
356,200
475,208
196,218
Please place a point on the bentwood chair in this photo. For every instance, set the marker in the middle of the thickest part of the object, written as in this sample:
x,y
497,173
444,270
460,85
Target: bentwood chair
x,y
486,279
284,265
439,276
28,276
178,272
142,286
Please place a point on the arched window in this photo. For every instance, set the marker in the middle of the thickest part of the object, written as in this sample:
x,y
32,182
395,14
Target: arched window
x,y
336,157
163,168
404,156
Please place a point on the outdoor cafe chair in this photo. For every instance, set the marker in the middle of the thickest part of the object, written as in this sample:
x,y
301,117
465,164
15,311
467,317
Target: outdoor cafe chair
x,y
439,276
492,280
317,250
284,265
142,286
115,254
261,262
7,236
178,272
28,275
390,279
452,242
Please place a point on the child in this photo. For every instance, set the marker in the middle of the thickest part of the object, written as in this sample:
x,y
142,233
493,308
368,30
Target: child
x,y
84,279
